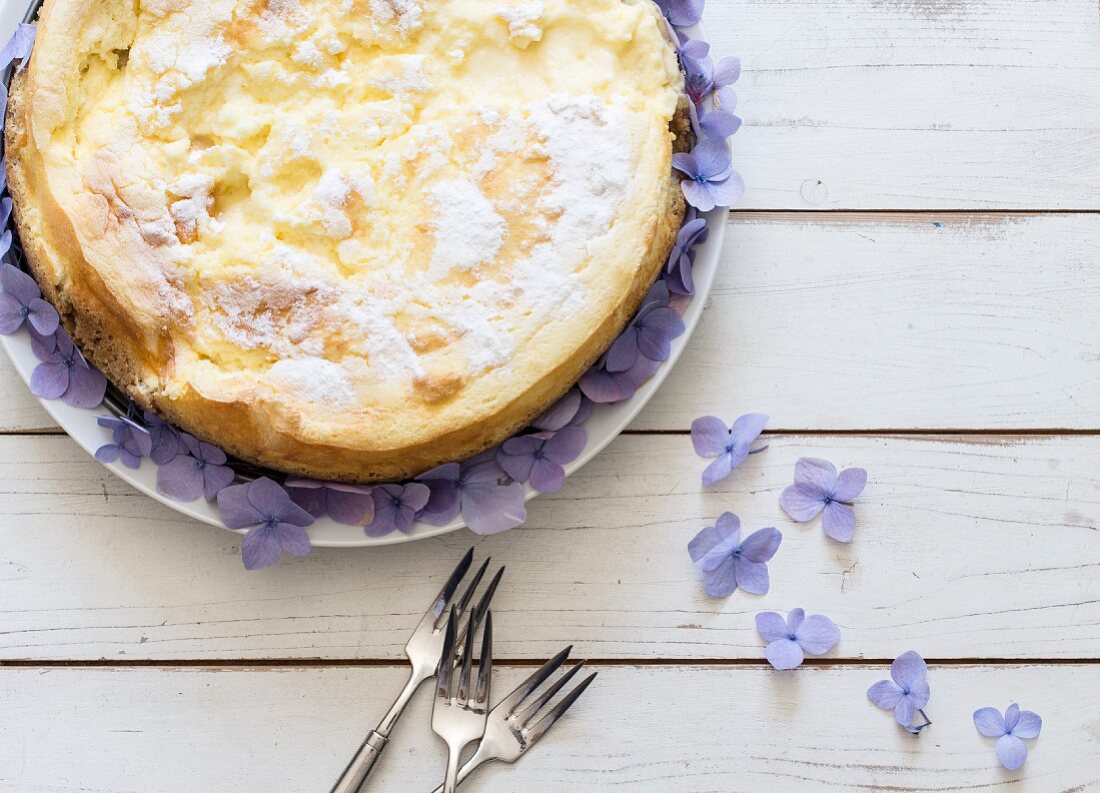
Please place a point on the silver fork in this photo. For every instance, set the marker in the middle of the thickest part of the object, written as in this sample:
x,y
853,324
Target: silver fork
x,y
423,652
510,731
460,711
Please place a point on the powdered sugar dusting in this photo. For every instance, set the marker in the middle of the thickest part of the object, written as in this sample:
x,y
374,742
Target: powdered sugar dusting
x,y
468,230
521,19
406,15
317,380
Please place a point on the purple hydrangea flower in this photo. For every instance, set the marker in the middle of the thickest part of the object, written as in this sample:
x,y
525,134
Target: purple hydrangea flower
x,y
604,387
351,505
540,457
907,693
167,444
791,639
681,258
395,507
649,334
1010,731
19,47
818,488
711,180
130,443
64,373
475,489
682,13
21,301
707,80
717,124
200,472
728,563
569,411
730,445
275,523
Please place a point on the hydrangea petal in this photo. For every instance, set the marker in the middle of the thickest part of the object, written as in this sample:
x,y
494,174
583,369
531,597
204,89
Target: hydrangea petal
x,y
682,13
603,387
784,654
818,634
712,158
547,476
760,546
1012,715
87,387
260,548
746,429
839,521
292,538
714,544
849,484
18,284
1011,752
698,195
182,480
108,453
1029,725
50,380
795,619
43,317
771,626
752,576
11,314
236,508
215,479
566,445
908,669
903,711
801,502
920,692
623,353
818,475
561,413
518,465
727,192
311,497
489,507
727,70
722,580
718,470
885,694
709,436
989,722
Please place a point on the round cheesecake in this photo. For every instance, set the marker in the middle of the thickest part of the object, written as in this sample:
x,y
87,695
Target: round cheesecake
x,y
347,239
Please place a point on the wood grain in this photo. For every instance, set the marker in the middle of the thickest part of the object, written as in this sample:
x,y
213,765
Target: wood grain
x,y
966,547
675,730
915,104
864,322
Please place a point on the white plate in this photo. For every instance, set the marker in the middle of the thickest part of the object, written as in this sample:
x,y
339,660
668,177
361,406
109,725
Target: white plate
x,y
603,426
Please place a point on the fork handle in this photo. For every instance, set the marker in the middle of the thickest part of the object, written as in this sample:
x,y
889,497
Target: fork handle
x,y
479,759
454,753
362,764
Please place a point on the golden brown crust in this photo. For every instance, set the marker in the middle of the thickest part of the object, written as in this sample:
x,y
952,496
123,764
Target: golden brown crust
x,y
135,346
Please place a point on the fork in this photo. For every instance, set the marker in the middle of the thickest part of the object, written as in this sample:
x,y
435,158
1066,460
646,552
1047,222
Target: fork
x,y
423,652
510,731
460,712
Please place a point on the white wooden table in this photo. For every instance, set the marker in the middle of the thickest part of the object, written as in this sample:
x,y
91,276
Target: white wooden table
x,y
911,285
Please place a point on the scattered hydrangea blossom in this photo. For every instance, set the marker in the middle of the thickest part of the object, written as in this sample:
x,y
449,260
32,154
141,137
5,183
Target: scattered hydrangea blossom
x,y
681,259
728,562
276,525
167,443
682,13
791,639
571,410
649,334
539,457
130,442
395,507
199,472
906,693
489,502
819,489
21,302
711,180
1010,731
64,373
730,445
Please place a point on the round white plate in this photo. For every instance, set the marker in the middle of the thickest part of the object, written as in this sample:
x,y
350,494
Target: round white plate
x,y
603,426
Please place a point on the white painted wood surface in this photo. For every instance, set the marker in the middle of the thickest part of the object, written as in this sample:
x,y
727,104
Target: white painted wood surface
x,y
965,548
984,321
674,730
950,308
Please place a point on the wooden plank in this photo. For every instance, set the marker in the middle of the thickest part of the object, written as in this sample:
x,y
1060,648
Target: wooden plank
x,y
915,104
979,322
898,321
658,730
966,547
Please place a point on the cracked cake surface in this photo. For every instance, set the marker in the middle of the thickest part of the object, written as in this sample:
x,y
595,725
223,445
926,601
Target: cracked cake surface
x,y
348,239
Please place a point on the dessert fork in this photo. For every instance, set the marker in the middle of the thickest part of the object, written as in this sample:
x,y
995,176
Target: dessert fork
x,y
423,652
510,731
459,713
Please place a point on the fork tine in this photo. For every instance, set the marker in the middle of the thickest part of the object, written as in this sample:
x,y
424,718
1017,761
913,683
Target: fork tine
x,y
532,734
510,704
445,669
532,710
483,605
485,662
463,695
439,605
464,601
